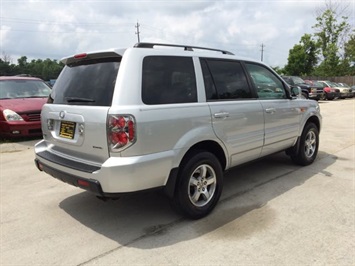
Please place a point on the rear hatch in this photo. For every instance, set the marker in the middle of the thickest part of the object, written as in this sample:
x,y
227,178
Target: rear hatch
x,y
74,119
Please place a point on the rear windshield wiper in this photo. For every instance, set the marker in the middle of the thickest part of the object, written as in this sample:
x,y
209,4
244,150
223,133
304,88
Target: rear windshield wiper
x,y
79,100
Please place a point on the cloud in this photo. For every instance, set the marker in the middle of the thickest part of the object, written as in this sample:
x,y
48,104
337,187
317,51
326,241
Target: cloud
x,y
54,29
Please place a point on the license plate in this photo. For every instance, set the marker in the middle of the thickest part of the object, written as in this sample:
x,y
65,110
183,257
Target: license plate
x,y
67,129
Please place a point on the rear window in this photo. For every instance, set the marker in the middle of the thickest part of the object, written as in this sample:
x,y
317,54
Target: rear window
x,y
90,82
168,79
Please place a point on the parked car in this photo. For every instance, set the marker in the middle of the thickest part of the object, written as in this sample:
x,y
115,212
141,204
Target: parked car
x,y
344,85
344,91
329,93
21,101
314,92
353,90
128,120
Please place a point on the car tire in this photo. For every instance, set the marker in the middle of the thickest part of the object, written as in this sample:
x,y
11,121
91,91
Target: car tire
x,y
304,95
330,98
308,146
199,185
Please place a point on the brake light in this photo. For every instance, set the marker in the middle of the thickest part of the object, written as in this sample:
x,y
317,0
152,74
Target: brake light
x,y
80,56
121,132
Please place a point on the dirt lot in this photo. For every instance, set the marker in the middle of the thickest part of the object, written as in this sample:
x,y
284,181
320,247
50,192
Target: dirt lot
x,y
272,212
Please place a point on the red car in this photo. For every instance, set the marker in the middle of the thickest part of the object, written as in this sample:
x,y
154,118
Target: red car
x,y
21,101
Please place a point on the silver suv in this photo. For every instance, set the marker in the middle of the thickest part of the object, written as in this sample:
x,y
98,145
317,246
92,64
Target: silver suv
x,y
169,116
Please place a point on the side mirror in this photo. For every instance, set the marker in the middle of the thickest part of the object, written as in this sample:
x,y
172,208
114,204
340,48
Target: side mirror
x,y
296,91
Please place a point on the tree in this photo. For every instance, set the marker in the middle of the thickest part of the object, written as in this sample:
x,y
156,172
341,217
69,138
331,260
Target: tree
x,y
349,55
6,67
302,57
23,65
279,70
44,69
331,37
349,48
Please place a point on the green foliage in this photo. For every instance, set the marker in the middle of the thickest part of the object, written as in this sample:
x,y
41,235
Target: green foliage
x,y
330,35
349,55
278,70
45,69
331,46
350,48
330,32
302,57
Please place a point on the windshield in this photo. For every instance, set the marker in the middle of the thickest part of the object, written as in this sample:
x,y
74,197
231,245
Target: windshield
x,y
298,80
344,85
13,89
333,84
89,83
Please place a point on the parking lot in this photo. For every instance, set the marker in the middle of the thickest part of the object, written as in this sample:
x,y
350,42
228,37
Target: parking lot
x,y
272,212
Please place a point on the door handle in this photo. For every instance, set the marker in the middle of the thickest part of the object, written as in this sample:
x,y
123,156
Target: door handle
x,y
221,115
270,110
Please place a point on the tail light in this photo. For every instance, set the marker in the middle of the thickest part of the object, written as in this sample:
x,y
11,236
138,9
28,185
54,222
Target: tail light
x,y
121,132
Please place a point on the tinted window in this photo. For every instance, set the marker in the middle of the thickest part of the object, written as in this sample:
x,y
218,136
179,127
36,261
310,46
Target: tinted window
x,y
210,88
89,83
229,80
267,84
168,79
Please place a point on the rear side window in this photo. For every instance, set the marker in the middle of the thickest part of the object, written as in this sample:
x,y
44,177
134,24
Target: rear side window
x,y
168,79
90,82
225,80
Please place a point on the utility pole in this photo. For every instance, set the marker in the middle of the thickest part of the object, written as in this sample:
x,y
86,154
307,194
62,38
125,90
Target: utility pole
x,y
137,32
262,51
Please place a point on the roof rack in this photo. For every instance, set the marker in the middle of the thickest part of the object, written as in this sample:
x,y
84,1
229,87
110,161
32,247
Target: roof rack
x,y
186,47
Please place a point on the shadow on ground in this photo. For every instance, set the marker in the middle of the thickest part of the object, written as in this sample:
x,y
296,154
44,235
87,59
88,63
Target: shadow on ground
x,y
133,219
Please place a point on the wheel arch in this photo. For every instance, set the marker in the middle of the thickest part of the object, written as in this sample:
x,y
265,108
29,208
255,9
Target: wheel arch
x,y
294,149
210,146
207,145
315,120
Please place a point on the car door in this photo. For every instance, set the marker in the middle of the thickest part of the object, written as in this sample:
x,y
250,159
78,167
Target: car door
x,y
236,113
282,116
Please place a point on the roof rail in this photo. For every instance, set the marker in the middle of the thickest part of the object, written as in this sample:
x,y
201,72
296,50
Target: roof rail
x,y
186,47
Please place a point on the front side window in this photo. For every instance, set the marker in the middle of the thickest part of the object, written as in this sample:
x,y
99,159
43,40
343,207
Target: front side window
x,y
267,84
168,80
88,83
224,80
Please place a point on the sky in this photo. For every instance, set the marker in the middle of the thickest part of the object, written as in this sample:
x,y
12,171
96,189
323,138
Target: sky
x,y
40,29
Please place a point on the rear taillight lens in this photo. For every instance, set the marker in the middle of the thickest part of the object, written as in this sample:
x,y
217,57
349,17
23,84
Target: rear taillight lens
x,y
121,132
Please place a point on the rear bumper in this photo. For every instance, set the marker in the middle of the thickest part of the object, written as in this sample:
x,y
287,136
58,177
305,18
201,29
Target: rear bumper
x,y
87,184
116,175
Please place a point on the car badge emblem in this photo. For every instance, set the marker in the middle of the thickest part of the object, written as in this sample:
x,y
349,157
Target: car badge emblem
x,y
62,114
